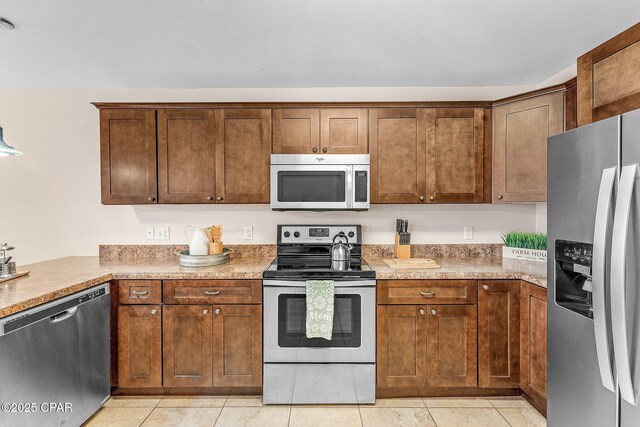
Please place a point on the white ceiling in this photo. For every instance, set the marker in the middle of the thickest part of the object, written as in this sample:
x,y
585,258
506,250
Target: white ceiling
x,y
299,43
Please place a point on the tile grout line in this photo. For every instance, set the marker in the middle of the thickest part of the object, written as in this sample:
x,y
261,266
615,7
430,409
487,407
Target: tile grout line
x,y
506,420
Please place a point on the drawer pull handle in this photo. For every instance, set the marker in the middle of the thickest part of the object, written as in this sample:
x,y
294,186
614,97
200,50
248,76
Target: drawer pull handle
x,y
434,312
211,292
139,292
428,294
154,311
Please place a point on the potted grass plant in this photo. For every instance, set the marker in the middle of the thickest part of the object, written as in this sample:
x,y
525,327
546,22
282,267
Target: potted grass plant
x,y
525,246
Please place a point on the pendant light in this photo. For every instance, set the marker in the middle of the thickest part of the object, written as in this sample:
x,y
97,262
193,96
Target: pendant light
x,y
6,150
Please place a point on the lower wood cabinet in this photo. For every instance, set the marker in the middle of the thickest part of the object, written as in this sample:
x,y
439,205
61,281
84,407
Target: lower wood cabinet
x,y
499,333
533,339
139,346
187,355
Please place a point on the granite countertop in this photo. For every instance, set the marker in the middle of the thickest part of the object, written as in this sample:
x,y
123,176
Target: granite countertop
x,y
57,278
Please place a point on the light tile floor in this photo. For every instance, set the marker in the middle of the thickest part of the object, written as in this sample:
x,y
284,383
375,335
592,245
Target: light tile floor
x,y
237,411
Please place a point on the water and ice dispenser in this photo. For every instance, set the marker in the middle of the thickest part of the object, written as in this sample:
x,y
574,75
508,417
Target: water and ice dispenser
x,y
573,276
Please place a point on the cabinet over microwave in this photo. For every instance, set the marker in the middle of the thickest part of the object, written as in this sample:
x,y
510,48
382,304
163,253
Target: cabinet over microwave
x,y
320,182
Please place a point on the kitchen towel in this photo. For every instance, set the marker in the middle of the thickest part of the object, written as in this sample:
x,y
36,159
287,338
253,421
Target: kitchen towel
x,y
319,309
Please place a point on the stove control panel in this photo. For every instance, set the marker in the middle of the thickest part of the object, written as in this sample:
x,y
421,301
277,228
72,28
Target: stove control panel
x,y
317,234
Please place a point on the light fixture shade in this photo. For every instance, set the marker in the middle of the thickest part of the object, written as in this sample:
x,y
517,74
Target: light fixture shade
x,y
6,150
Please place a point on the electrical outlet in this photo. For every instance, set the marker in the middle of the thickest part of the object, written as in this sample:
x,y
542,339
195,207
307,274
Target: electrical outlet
x,y
248,233
468,232
162,233
149,233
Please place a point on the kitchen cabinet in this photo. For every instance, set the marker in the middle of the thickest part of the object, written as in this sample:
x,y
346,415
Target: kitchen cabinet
x,y
243,150
296,131
140,291
139,346
186,156
398,140
533,341
499,333
237,345
608,78
401,346
187,337
452,346
455,150
520,131
128,156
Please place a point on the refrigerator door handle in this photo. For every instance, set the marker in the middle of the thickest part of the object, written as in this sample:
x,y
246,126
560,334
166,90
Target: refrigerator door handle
x,y
618,285
600,322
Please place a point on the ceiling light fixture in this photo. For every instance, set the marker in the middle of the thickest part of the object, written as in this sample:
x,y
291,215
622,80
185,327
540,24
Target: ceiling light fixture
x,y
6,150
6,25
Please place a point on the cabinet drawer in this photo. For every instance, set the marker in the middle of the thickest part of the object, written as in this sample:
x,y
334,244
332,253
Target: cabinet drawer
x,y
212,292
140,291
427,291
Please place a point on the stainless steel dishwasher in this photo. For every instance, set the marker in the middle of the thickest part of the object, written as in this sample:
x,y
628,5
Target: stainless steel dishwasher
x,y
54,361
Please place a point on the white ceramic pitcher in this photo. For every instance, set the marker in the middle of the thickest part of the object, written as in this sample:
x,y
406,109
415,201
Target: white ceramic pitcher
x,y
199,242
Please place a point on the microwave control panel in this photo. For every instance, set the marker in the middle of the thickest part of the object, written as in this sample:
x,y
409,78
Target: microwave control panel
x,y
361,186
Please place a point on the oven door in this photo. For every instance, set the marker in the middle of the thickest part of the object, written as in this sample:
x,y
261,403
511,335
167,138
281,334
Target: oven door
x,y
354,324
311,186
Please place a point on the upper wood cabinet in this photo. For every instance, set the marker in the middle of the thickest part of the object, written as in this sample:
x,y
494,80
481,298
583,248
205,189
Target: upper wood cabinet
x,y
452,337
329,131
455,148
608,78
296,131
402,346
139,346
398,139
186,156
237,346
499,333
128,156
243,149
520,132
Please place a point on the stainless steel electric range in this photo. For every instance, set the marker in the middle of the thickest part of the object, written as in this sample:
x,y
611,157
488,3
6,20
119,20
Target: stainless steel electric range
x,y
302,370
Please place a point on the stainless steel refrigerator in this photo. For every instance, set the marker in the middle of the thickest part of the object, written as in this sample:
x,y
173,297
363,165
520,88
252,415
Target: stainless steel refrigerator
x,y
594,275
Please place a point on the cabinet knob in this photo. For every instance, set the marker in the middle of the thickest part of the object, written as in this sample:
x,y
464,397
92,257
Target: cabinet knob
x,y
421,312
432,198
485,287
499,196
217,311
209,198
421,198
433,312
154,311
205,312
314,149
219,198
324,150
151,199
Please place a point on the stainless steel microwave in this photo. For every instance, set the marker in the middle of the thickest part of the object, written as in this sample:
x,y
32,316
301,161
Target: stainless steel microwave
x,y
320,182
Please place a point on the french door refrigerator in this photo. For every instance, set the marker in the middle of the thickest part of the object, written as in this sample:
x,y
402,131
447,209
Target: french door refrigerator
x,y
594,275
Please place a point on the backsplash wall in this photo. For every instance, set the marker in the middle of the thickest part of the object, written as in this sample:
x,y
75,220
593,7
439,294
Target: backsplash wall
x,y
51,195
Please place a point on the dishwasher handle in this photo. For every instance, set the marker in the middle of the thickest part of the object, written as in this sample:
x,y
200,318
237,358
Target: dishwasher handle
x,y
63,315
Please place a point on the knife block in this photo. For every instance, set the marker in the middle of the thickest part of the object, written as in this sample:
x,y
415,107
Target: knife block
x,y
401,251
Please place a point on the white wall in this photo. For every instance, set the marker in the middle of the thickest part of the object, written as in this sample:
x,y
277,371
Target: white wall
x,y
50,197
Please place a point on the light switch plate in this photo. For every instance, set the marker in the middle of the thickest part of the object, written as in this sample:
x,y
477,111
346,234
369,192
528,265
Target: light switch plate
x,y
162,233
149,233
468,232
248,233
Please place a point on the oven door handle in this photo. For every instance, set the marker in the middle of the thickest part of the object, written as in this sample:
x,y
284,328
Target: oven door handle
x,y
303,284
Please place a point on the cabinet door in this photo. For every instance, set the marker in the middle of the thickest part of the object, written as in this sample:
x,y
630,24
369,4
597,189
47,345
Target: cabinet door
x,y
452,346
243,149
533,339
455,147
520,132
186,156
139,346
296,131
402,346
128,156
344,131
237,345
398,144
499,334
187,337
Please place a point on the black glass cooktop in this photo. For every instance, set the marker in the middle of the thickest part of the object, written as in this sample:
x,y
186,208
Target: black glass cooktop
x,y
316,268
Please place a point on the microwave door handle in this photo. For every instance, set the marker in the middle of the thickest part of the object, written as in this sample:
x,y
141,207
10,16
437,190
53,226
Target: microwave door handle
x,y
600,238
350,190
618,285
